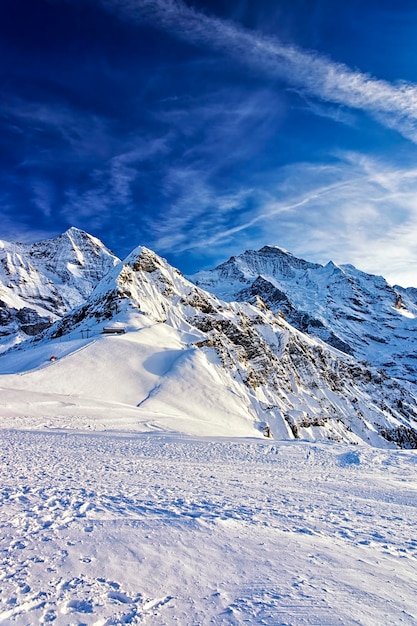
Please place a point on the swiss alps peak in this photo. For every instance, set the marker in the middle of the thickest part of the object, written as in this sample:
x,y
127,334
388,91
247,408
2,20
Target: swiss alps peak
x,y
278,358
42,281
355,312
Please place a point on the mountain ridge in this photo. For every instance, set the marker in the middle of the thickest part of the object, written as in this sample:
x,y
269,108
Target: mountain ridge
x,y
42,281
205,363
355,312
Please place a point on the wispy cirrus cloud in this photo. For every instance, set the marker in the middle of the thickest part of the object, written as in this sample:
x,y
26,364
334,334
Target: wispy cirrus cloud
x,y
74,167
111,184
157,181
82,134
357,210
43,196
337,113
392,104
197,209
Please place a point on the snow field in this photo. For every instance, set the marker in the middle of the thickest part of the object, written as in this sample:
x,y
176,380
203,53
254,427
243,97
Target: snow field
x,y
166,529
108,515
148,378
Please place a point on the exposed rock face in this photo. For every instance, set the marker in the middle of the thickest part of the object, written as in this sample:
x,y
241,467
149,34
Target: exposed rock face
x,y
355,312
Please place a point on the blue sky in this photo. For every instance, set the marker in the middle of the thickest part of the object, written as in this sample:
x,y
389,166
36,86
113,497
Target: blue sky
x,y
207,127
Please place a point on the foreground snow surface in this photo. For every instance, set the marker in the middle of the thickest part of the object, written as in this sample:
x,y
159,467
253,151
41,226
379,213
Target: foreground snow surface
x,y
111,528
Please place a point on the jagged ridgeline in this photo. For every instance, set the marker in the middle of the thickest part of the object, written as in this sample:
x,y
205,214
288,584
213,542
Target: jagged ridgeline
x,y
357,313
287,355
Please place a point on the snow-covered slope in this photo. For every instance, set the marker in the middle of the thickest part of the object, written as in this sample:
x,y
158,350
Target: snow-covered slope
x,y
109,529
192,363
355,312
42,281
201,529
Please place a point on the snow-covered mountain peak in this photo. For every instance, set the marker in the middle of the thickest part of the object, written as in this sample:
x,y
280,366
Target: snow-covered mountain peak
x,y
180,351
71,250
146,260
270,261
149,284
48,278
240,359
351,310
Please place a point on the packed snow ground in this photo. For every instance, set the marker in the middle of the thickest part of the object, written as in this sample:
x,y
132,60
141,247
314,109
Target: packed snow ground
x,y
109,515
110,528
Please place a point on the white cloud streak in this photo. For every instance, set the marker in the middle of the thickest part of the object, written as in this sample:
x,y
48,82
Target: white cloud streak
x,y
358,210
368,217
111,185
197,210
393,105
43,196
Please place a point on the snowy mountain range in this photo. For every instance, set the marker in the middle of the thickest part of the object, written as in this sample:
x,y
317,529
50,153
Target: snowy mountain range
x,y
355,312
263,344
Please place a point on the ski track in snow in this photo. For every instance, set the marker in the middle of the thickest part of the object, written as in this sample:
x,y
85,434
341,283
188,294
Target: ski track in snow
x,y
161,529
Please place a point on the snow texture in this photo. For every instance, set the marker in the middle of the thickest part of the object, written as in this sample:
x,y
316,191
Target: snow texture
x,y
103,528
137,484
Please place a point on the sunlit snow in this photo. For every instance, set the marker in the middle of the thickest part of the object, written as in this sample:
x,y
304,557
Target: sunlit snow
x,y
105,528
118,514
137,486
